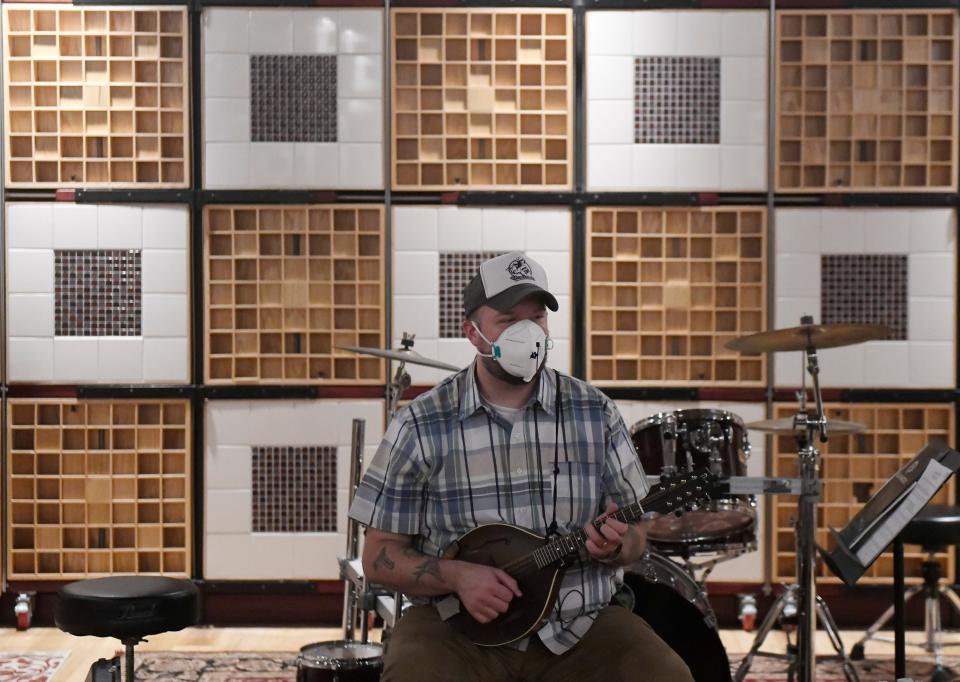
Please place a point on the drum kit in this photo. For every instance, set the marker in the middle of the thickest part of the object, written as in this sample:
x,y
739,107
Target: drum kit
x,y
669,592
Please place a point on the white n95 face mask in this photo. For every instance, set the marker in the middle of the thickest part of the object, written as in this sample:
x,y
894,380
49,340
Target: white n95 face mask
x,y
521,349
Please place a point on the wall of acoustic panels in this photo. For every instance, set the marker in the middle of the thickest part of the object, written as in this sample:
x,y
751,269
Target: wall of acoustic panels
x,y
194,271
867,100
668,288
287,286
276,486
98,488
891,266
293,98
482,98
676,100
96,97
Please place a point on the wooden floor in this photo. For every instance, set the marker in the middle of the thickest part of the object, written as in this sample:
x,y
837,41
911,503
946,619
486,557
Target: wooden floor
x,y
85,650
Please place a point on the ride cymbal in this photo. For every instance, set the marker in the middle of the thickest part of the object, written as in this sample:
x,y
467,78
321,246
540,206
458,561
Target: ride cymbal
x,y
786,426
809,335
409,356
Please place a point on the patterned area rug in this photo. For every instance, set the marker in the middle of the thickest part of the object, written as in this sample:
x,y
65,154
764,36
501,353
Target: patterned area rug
x,y
874,670
282,667
217,667
30,667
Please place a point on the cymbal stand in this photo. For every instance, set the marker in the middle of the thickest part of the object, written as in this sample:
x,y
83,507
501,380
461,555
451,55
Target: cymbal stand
x,y
401,378
360,598
801,597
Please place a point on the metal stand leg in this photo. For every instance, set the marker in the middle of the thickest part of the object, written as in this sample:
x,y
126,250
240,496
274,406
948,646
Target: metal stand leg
x,y
833,632
788,602
128,659
776,609
857,650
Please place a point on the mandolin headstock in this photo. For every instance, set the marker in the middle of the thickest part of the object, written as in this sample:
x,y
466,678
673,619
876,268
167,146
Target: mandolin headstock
x,y
684,492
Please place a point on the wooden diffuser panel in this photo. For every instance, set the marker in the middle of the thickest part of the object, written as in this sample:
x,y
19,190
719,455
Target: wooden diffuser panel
x,y
855,467
286,285
867,100
482,98
97,488
668,288
96,97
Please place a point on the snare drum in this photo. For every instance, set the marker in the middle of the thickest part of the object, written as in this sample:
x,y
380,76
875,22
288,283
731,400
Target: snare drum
x,y
340,661
693,440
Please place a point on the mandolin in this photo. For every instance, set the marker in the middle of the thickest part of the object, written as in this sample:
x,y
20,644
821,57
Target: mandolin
x,y
538,565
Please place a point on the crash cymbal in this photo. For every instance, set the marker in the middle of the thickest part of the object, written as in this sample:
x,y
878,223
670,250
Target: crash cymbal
x,y
409,356
787,426
805,336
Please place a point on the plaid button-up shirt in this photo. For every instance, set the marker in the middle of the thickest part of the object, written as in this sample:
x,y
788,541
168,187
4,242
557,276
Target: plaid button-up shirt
x,y
449,463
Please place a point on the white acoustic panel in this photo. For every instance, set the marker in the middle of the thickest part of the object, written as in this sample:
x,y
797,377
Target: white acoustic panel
x,y
270,72
747,567
232,548
921,300
425,241
703,66
97,294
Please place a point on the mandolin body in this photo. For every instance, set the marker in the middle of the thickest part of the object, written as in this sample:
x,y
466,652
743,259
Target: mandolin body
x,y
497,544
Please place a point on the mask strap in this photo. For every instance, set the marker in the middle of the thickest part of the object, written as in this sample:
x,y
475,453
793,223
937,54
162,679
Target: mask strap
x,y
493,347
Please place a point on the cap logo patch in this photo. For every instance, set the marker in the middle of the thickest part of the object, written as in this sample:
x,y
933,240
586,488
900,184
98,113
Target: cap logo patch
x,y
519,269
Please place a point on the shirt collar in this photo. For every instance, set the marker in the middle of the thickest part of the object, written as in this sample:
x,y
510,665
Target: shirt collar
x,y
545,395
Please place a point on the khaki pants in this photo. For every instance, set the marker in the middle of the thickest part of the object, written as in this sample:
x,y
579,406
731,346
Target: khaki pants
x,y
619,646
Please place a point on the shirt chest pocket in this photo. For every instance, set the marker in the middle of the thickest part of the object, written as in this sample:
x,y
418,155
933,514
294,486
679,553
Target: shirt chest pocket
x,y
578,492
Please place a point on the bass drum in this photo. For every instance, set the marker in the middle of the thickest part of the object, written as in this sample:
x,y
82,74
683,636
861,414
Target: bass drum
x,y
678,610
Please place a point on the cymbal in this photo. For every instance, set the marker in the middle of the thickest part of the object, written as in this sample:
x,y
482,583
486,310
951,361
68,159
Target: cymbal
x,y
805,336
410,356
786,426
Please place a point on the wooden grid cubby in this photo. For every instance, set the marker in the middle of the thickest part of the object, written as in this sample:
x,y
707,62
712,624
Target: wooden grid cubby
x,y
98,487
482,98
853,468
286,285
867,100
668,287
96,97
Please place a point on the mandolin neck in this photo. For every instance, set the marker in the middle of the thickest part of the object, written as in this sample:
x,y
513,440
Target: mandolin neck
x,y
565,547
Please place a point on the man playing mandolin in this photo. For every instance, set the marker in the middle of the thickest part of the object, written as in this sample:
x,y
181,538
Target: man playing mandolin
x,y
514,469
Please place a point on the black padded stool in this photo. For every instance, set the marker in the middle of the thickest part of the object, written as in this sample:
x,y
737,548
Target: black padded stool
x,y
128,608
936,527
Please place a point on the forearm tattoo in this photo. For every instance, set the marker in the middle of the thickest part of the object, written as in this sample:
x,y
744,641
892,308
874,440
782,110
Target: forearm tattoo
x,y
383,561
429,567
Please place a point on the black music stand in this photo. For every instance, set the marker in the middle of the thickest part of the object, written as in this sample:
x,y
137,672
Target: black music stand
x,y
879,523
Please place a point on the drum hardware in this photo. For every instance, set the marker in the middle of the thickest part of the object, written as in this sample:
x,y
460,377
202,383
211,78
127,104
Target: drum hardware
x,y
694,440
361,600
340,661
401,378
807,338
791,425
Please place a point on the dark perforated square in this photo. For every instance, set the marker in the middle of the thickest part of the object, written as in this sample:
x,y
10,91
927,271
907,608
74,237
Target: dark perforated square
x,y
98,293
865,289
677,100
456,271
295,489
293,98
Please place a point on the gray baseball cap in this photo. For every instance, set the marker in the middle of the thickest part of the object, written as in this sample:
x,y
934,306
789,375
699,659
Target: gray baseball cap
x,y
504,281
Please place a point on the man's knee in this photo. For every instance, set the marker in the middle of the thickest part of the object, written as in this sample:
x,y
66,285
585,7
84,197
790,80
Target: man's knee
x,y
632,645
423,648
